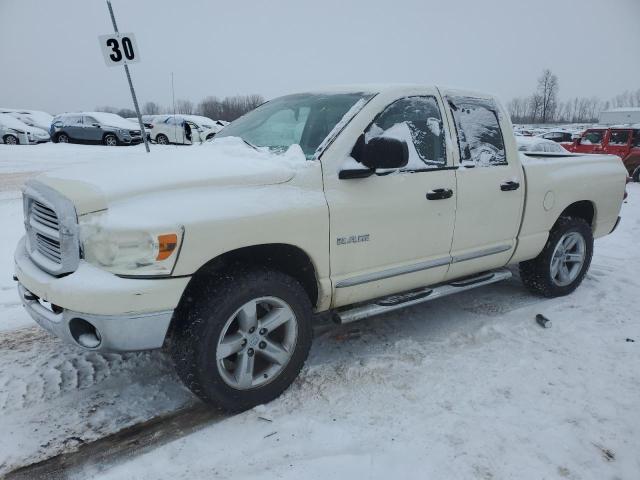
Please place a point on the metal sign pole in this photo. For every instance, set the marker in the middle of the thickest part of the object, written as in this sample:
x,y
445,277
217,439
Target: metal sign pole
x,y
133,92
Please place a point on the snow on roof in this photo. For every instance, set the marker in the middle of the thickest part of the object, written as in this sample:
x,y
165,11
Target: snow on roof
x,y
108,119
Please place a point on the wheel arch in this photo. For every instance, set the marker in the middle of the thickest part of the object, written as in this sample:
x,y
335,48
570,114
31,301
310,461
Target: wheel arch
x,y
584,209
286,258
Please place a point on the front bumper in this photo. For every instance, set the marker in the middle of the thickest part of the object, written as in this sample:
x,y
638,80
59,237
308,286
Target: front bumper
x,y
126,314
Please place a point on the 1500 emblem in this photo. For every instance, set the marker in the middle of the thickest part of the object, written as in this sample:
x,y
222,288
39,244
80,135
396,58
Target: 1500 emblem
x,y
352,239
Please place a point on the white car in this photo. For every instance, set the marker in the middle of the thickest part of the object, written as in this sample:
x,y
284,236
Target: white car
x,y
33,118
538,144
15,132
184,129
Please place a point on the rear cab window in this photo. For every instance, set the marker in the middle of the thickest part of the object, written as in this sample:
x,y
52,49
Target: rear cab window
x,y
480,139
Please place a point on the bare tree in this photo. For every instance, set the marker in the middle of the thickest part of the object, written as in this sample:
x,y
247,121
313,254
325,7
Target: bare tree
x,y
210,107
548,93
184,107
151,108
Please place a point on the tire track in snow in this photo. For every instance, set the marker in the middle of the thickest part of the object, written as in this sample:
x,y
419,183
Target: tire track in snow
x,y
54,397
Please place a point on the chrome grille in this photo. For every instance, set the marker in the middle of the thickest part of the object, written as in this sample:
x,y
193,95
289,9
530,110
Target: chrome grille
x,y
49,247
52,229
44,215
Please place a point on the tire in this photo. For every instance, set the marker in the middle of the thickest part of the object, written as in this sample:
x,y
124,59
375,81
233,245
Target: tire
x,y
636,174
209,343
162,139
62,138
11,140
110,140
558,270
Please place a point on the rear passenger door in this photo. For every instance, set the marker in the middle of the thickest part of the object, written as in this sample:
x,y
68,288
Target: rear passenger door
x,y
619,142
73,127
490,187
92,133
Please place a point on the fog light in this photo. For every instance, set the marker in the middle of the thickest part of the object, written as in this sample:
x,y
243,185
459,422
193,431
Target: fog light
x,y
84,333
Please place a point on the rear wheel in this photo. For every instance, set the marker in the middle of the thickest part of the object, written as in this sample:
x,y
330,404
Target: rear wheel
x,y
63,138
240,339
162,139
636,174
563,262
110,140
10,140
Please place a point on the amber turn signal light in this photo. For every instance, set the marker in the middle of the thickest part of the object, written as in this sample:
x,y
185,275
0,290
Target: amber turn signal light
x,y
167,244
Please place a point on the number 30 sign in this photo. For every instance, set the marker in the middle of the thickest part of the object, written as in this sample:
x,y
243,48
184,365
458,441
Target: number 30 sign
x,y
119,49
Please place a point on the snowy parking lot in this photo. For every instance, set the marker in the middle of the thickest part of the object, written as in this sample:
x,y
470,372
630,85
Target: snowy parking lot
x,y
463,387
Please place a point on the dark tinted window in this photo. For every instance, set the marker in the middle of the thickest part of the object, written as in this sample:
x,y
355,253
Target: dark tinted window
x,y
416,120
619,137
479,136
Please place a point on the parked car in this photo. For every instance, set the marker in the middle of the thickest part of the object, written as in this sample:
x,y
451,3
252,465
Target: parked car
x,y
538,144
33,118
94,127
15,132
560,136
623,142
346,204
171,129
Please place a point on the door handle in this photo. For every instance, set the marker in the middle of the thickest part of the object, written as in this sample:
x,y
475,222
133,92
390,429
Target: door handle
x,y
510,185
439,194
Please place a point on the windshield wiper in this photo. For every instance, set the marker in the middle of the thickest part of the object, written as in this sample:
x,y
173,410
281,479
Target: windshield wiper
x,y
249,143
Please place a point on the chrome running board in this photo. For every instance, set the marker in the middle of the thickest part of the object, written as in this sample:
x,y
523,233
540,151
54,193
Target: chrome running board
x,y
422,295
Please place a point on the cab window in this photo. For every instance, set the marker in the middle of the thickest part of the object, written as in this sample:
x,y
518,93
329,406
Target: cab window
x,y
619,137
417,121
480,139
592,137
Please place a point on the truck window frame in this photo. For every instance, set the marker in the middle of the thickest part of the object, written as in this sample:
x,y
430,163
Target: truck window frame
x,y
490,105
428,168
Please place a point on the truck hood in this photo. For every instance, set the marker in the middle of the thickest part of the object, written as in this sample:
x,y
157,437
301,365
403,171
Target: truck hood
x,y
227,162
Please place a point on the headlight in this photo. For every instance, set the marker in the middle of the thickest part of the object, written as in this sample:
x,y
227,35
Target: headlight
x,y
16,130
130,252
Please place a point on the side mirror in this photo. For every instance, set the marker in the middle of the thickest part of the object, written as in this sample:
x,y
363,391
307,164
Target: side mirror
x,y
385,152
95,125
379,152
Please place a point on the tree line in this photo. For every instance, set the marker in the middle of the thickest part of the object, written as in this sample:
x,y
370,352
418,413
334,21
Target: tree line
x,y
544,105
227,108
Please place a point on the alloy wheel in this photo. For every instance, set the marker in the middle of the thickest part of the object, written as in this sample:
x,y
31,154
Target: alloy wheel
x,y
256,343
568,258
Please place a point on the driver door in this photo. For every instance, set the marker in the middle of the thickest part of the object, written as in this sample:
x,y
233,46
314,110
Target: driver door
x,y
389,232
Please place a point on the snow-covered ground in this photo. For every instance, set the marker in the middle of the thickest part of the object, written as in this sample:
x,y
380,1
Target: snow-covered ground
x,y
464,387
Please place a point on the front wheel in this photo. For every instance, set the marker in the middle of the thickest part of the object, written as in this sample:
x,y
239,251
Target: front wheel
x,y
162,139
63,138
10,140
110,140
563,262
240,339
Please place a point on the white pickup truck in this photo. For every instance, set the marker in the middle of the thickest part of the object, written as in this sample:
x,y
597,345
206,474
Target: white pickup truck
x,y
353,202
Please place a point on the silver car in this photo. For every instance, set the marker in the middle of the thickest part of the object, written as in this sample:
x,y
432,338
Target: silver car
x,y
94,127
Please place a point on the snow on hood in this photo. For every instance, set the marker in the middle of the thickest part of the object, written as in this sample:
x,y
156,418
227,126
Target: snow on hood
x,y
223,163
12,122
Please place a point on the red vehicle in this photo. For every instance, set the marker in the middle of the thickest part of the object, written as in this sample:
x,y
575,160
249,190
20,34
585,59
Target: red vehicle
x,y
623,142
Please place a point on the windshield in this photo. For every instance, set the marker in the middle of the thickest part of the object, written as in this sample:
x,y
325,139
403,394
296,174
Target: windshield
x,y
304,119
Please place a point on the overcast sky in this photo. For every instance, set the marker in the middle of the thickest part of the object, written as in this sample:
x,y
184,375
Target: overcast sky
x,y
51,58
